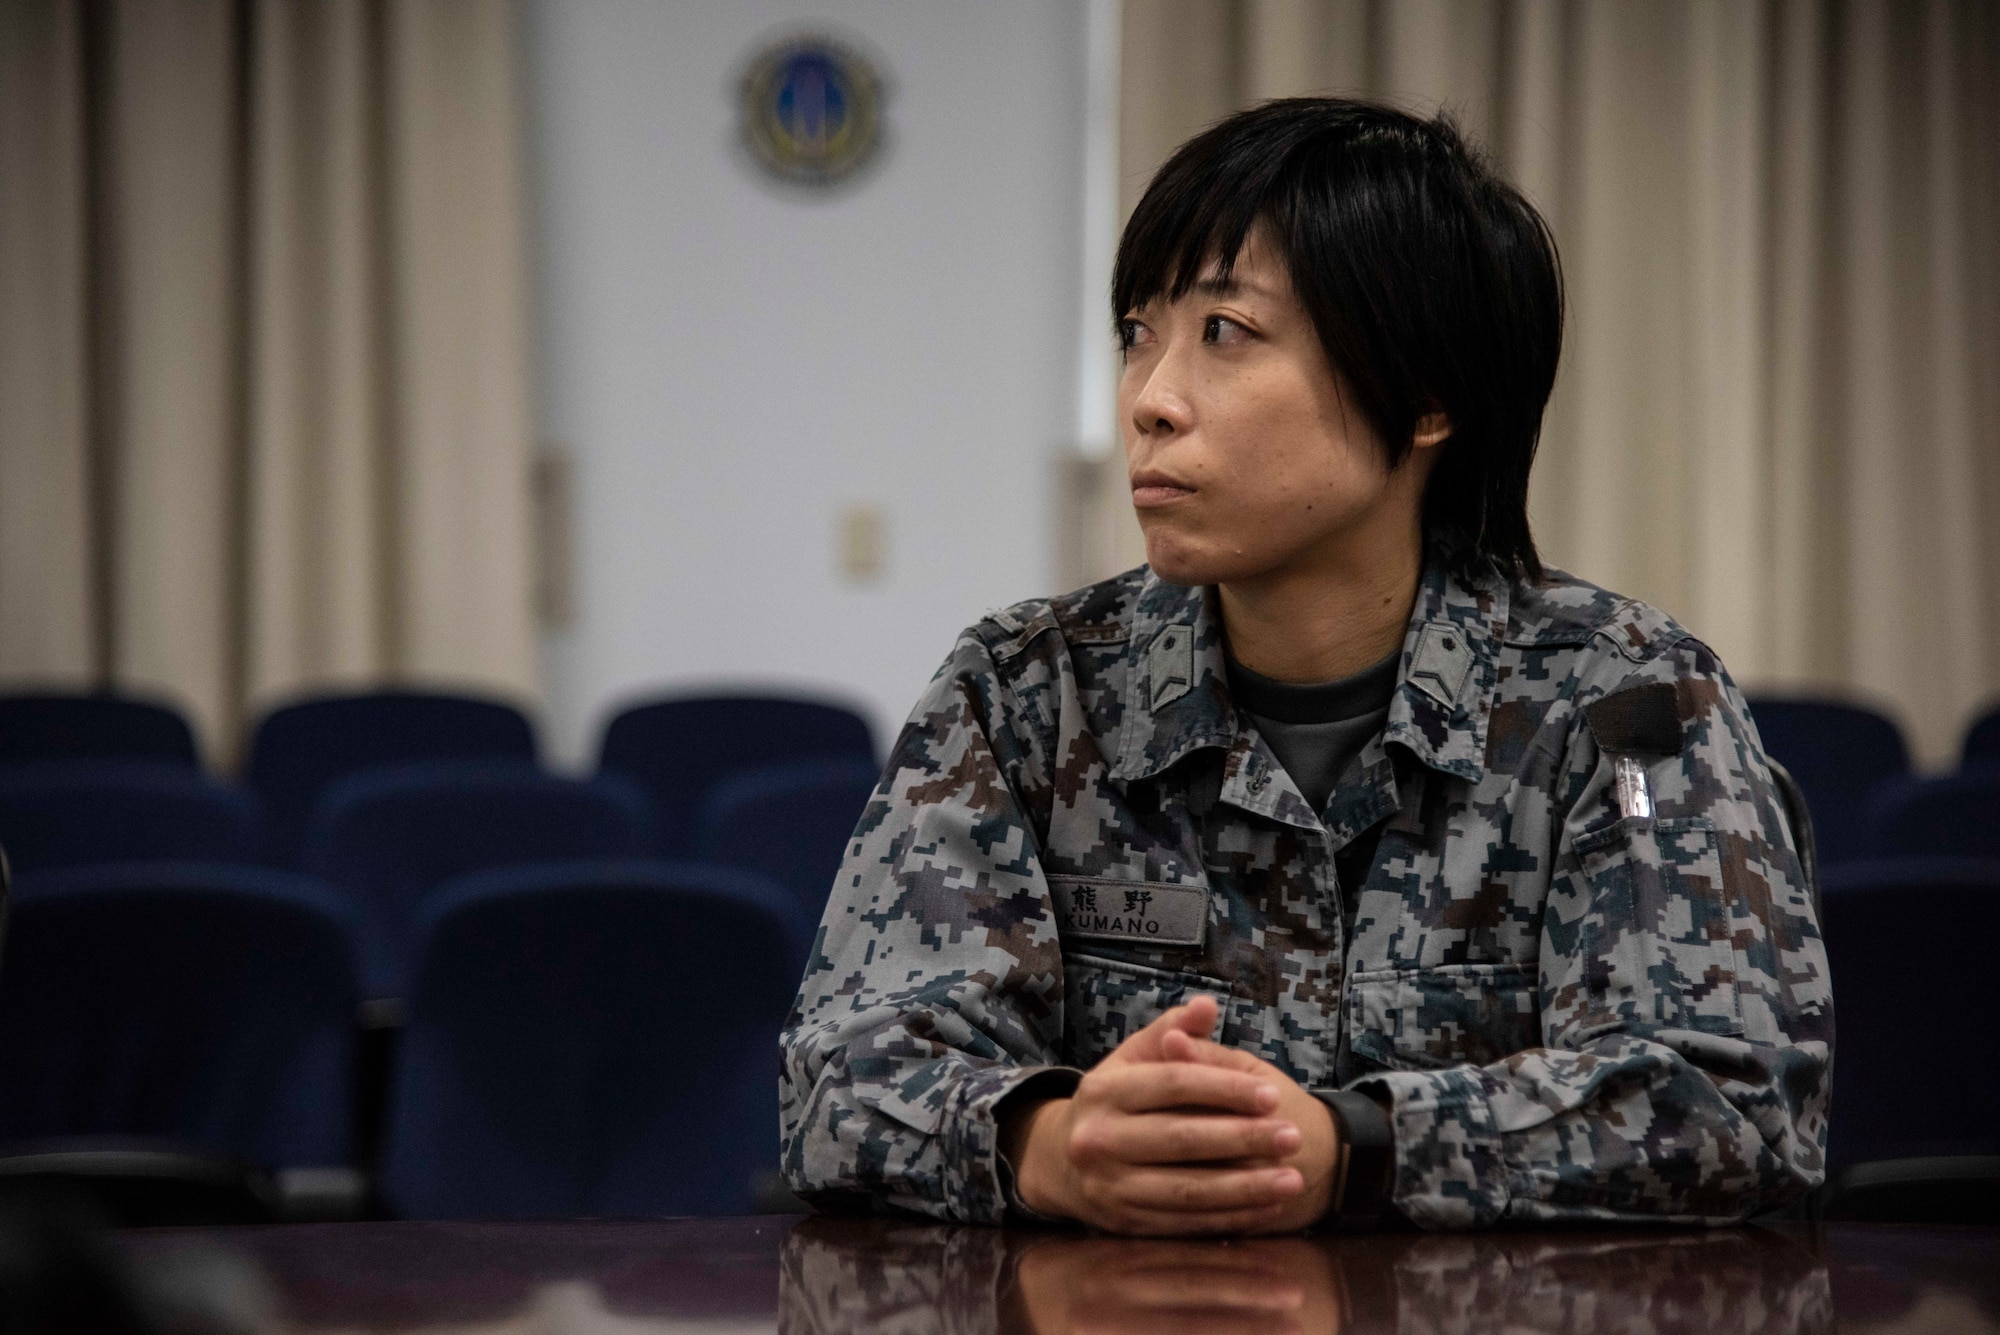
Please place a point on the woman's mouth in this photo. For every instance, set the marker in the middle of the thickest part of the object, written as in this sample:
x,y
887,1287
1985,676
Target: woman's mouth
x,y
1150,490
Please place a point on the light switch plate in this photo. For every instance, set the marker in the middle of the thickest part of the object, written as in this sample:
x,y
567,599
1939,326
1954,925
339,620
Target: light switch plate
x,y
863,556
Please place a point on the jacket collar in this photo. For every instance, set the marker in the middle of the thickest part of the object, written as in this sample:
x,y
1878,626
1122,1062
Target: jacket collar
x,y
1178,697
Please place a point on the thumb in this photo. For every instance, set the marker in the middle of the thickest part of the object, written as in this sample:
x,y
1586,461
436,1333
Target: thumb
x,y
1194,1020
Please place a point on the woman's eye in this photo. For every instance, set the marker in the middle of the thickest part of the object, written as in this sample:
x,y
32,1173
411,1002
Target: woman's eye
x,y
1131,333
1222,329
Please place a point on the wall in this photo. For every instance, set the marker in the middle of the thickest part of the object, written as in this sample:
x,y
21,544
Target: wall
x,y
730,364
1779,227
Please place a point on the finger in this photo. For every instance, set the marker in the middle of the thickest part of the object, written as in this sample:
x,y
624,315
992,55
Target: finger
x,y
1195,1019
1092,1318
1102,1256
1179,1046
1258,1288
1140,1222
1189,1138
1207,1190
1154,1086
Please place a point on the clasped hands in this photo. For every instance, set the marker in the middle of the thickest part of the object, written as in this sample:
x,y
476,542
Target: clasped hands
x,y
1174,1134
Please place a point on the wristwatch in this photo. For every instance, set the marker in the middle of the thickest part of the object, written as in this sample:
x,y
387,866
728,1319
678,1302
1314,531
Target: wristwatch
x,y
1363,1195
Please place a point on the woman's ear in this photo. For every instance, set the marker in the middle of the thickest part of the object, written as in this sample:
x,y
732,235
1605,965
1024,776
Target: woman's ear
x,y
1433,428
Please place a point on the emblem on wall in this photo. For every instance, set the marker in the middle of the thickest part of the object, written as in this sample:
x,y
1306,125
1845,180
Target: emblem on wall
x,y
812,110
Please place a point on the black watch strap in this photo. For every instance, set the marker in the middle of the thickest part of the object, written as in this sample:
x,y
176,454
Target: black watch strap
x,y
1371,1160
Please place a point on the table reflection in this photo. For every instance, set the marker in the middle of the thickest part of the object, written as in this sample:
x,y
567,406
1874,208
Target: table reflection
x,y
808,1276
841,1276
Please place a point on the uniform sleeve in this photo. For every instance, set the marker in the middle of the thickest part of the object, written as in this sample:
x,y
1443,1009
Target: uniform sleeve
x,y
1686,1015
933,989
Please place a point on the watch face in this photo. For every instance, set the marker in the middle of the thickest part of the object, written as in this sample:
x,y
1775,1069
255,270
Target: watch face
x,y
812,110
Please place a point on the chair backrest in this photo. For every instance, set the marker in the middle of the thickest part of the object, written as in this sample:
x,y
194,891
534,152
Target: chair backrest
x,y
69,813
593,1039
300,749
1839,754
1916,1066
1982,739
789,822
54,727
678,750
207,1004
386,837
1952,815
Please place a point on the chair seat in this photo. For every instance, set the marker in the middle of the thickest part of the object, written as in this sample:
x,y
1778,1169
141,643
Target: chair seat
x,y
133,1183
1951,815
67,813
299,750
1916,1069
593,1038
790,822
206,1005
1935,1189
388,837
1840,754
70,727
679,750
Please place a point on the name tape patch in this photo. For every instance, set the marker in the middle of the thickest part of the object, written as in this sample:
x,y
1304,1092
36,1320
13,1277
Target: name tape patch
x,y
1142,911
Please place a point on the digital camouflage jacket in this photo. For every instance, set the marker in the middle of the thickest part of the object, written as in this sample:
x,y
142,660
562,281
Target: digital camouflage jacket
x,y
1573,1014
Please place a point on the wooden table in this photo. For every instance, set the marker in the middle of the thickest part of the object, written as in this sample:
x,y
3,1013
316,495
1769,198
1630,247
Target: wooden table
x,y
720,1276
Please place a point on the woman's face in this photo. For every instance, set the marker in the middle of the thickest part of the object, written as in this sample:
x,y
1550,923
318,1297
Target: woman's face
x,y
1244,460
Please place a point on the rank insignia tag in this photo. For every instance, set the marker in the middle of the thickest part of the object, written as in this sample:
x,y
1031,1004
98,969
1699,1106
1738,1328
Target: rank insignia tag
x,y
1144,912
1170,664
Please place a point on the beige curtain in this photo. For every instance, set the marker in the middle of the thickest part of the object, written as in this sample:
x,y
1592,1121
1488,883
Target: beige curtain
x,y
263,425
1779,414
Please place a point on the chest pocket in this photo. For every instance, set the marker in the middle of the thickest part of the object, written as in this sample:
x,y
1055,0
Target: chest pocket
x,y
1422,1019
1656,943
1106,1001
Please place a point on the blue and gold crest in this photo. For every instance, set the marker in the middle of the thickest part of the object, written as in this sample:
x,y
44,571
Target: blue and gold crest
x,y
812,110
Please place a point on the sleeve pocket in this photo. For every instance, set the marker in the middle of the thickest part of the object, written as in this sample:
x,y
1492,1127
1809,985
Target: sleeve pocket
x,y
1424,1019
1655,946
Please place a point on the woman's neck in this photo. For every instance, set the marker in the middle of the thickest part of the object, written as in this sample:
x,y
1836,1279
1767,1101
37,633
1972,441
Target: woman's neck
x,y
1330,615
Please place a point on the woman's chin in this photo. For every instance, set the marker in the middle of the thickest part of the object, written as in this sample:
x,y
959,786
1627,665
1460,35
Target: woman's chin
x,y
1177,565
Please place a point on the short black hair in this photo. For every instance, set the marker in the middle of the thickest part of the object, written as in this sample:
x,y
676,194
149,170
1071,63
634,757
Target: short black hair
x,y
1434,285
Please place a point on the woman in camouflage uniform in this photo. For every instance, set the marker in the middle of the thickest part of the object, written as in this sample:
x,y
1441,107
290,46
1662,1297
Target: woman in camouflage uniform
x,y
1343,863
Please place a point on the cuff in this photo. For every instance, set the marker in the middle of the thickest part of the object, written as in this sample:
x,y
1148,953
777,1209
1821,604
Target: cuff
x,y
978,1181
1449,1171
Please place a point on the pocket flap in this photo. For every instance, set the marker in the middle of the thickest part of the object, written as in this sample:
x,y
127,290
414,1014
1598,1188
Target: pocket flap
x,y
1422,1019
1106,1001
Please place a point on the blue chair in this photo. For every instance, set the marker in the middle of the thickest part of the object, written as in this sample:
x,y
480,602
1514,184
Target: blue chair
x,y
593,1038
1952,815
386,837
678,750
791,823
65,813
1917,1067
1982,739
300,749
199,1004
1840,755
53,727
